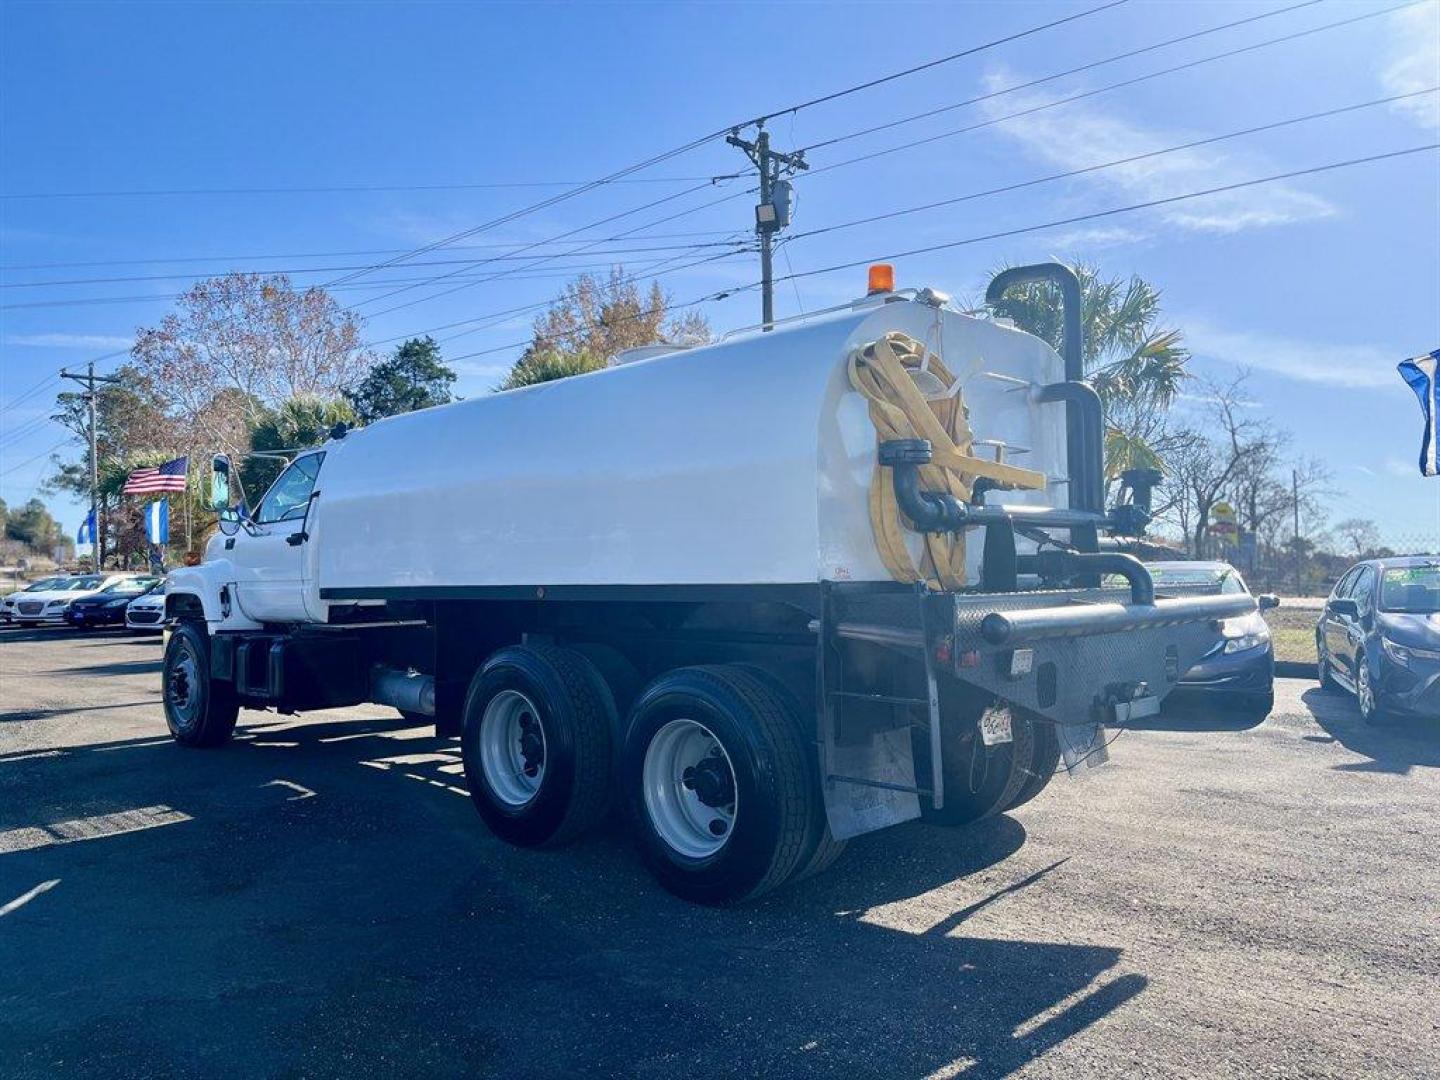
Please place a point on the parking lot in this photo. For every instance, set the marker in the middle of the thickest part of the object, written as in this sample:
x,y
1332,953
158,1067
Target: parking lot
x,y
319,898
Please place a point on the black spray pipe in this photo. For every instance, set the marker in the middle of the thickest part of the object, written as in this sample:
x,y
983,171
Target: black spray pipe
x,y
1062,565
1078,464
1086,415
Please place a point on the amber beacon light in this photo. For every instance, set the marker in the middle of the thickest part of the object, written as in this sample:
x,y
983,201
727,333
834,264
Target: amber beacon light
x,y
882,279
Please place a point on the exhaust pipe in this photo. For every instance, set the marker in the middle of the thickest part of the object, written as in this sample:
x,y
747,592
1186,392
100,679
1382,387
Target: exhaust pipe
x,y
407,691
1084,449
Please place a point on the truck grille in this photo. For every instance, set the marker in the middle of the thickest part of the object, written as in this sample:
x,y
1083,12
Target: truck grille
x,y
31,607
144,616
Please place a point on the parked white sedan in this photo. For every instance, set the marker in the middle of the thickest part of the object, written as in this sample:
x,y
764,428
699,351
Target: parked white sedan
x,y
146,614
7,605
48,605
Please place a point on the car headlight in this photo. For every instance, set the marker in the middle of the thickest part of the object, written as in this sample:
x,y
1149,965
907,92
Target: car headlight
x,y
1404,654
113,604
1246,641
57,604
1247,632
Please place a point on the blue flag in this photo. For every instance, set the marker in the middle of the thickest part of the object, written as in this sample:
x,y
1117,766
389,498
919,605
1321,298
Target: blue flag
x,y
86,533
1420,373
157,521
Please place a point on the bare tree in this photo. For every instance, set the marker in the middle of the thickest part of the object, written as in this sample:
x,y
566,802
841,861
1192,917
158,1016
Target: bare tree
x,y
1359,535
1211,458
238,346
600,317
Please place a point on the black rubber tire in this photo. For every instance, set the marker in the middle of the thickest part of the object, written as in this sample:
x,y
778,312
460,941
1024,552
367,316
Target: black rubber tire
x,y
576,715
822,858
1044,761
977,787
776,828
1377,714
218,709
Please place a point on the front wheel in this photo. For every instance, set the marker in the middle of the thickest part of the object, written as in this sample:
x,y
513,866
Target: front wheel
x,y
717,786
1366,696
199,710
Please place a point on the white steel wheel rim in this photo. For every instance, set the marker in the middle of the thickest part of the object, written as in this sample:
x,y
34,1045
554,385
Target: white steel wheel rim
x,y
690,790
512,748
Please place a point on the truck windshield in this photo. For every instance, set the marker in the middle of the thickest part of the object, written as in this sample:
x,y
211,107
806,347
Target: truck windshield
x,y
1414,589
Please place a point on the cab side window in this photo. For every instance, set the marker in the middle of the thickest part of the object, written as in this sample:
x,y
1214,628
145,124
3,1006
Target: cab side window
x,y
1345,584
1363,589
289,497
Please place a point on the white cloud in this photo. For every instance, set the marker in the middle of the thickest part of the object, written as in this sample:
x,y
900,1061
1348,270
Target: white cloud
x,y
1080,135
70,341
1310,361
1094,238
1405,469
1413,63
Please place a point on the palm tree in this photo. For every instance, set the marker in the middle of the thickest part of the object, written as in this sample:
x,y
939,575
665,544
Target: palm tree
x,y
1136,365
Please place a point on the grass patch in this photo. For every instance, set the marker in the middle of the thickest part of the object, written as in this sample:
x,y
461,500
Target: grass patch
x,y
1293,632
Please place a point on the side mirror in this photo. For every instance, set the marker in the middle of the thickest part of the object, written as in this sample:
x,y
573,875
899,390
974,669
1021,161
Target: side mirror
x,y
1344,606
220,483
1267,601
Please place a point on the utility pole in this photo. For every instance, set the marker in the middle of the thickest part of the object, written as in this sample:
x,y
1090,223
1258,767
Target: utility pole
x,y
773,212
88,380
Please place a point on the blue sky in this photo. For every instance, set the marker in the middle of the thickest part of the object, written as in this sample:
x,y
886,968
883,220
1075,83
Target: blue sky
x,y
1318,284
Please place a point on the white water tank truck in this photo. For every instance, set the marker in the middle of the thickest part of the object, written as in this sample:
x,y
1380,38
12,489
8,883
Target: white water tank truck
x,y
768,594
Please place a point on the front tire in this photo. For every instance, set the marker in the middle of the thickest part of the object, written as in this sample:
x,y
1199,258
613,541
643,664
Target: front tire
x,y
536,745
199,710
1366,696
717,786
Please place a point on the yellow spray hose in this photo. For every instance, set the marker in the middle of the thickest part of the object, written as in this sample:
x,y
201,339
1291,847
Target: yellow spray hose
x,y
882,372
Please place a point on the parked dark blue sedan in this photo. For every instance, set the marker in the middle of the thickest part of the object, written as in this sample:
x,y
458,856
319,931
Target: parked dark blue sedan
x,y
1237,676
1379,637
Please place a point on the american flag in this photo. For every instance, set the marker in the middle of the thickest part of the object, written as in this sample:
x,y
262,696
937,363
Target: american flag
x,y
168,477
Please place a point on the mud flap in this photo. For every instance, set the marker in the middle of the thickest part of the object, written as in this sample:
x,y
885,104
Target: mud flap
x,y
885,762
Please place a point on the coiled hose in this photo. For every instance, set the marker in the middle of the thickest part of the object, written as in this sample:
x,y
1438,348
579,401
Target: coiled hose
x,y
883,372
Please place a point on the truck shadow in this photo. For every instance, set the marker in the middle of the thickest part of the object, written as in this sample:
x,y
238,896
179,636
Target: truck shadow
x,y
1395,745
321,898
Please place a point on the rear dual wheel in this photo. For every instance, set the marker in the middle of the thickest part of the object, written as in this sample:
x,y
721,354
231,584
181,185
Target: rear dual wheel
x,y
981,781
719,790
536,743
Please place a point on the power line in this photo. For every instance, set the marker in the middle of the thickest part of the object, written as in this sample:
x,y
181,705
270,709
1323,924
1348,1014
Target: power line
x,y
1068,174
1149,204
1065,101
835,95
1082,95
37,457
702,140
319,254
88,301
333,189
1057,223
1128,55
330,269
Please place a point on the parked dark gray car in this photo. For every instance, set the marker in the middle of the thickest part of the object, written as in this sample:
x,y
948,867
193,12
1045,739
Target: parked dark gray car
x,y
1379,637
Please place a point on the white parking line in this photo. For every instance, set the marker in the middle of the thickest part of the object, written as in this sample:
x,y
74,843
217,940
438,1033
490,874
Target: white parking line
x,y
25,897
89,828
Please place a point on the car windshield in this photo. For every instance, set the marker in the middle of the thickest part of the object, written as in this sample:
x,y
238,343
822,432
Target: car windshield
x,y
91,582
45,584
1221,579
1414,589
132,587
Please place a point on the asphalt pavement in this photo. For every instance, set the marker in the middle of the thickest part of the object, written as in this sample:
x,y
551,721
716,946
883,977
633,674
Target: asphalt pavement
x,y
319,898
